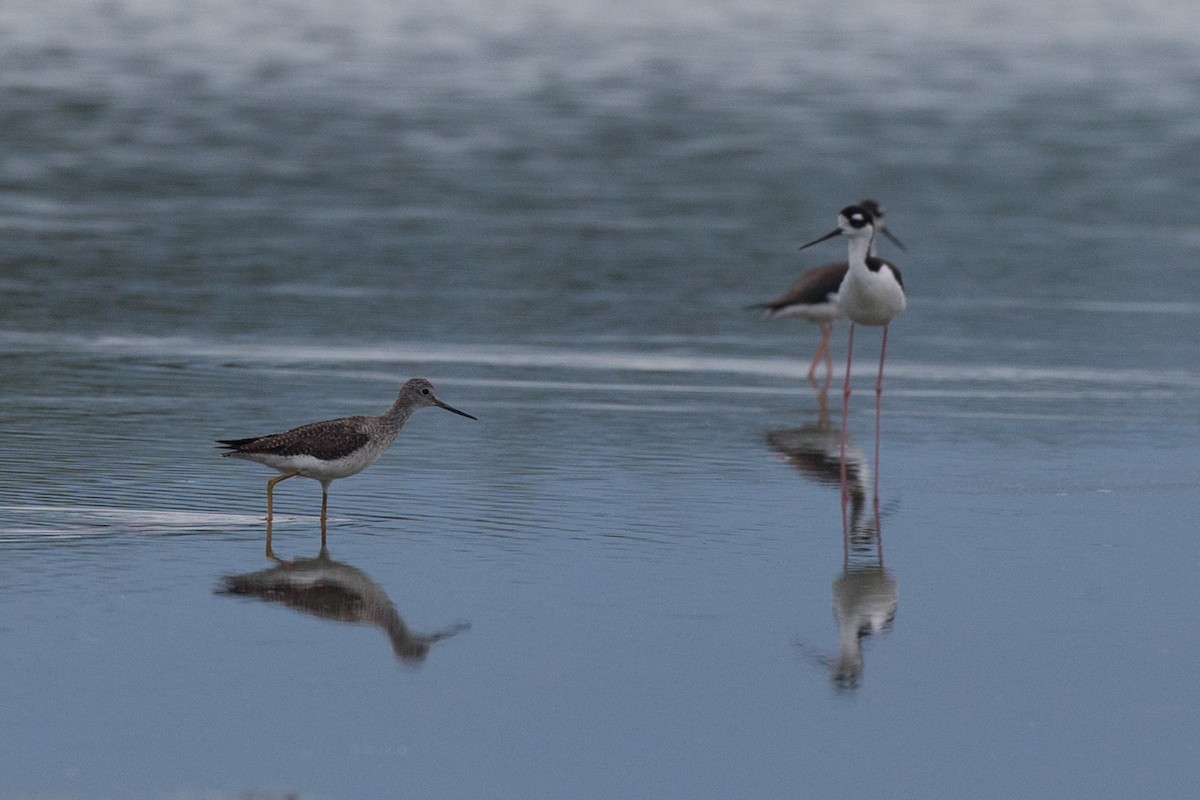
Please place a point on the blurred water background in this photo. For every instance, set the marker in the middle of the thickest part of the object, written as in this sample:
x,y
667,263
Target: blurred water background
x,y
222,219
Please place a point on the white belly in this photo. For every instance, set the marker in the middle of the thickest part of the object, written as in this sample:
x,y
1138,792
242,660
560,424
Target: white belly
x,y
315,468
872,298
820,312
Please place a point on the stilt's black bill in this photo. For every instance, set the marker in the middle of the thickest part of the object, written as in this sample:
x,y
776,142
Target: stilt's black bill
x,y
440,404
830,235
883,229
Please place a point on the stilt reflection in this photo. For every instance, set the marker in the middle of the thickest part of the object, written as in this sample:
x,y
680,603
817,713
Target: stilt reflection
x,y
865,595
865,598
337,591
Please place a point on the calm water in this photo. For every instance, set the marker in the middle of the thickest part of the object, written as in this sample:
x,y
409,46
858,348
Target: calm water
x,y
627,579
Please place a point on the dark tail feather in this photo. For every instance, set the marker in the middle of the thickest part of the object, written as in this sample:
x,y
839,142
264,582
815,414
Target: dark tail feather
x,y
235,444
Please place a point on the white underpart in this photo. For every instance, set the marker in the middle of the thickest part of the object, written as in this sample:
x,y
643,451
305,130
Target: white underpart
x,y
315,468
826,311
866,297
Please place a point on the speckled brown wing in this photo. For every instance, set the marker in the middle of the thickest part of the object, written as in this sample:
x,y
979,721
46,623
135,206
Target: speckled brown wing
x,y
322,598
328,440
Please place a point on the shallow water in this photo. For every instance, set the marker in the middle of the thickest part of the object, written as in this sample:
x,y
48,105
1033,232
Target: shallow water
x,y
627,578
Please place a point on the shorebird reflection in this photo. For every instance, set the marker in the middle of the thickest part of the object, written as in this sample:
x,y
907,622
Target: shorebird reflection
x,y
865,596
814,450
336,591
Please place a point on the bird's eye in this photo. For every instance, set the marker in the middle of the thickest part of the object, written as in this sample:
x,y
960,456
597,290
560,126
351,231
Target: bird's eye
x,y
425,391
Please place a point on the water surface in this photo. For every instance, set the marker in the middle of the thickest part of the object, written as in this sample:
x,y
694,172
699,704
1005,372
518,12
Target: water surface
x,y
627,578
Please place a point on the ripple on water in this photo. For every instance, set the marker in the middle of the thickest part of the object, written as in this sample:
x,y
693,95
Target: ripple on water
x,y
48,523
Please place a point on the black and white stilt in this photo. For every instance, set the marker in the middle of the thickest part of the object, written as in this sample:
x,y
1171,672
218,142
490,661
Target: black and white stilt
x,y
813,296
872,293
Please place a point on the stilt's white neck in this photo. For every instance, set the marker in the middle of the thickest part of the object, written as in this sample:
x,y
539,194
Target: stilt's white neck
x,y
859,248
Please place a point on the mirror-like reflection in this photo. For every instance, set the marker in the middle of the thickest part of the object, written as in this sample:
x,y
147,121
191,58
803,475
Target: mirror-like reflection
x,y
814,450
337,591
865,595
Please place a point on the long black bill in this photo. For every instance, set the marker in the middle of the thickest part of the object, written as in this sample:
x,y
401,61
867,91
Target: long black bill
x,y
883,229
830,235
440,404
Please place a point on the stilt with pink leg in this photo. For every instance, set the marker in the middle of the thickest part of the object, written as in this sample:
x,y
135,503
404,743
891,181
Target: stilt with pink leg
x,y
872,293
813,296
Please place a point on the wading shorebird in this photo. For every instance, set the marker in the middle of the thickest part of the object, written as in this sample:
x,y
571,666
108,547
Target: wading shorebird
x,y
813,296
334,448
872,293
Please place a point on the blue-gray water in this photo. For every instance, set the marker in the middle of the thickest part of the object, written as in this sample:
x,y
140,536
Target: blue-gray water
x,y
218,221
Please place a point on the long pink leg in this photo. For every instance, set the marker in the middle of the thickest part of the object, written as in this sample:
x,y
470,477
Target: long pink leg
x,y
879,412
822,393
845,421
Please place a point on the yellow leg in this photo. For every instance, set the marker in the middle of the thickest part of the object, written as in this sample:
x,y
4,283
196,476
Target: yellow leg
x,y
270,490
271,553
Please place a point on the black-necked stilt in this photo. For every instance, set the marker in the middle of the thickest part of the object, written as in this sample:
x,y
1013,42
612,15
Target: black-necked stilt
x,y
335,448
813,296
872,293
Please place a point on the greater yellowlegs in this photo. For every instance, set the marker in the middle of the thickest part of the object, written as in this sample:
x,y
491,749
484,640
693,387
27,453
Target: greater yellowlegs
x,y
813,296
872,293
334,448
